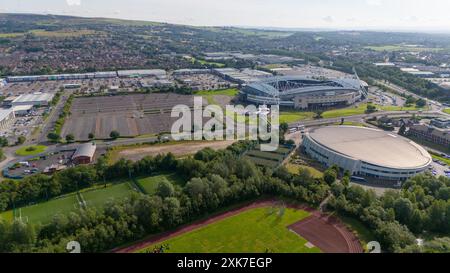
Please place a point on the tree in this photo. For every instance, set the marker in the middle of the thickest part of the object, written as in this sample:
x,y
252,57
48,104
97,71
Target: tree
x,y
403,210
70,138
371,108
114,135
3,142
165,189
21,140
330,176
91,136
318,114
53,137
284,127
421,103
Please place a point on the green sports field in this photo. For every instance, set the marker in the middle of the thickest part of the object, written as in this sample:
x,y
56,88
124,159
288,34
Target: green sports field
x,y
447,110
253,231
45,211
150,184
98,198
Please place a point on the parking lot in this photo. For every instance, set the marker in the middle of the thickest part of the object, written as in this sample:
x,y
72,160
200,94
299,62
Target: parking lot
x,y
130,115
43,164
23,125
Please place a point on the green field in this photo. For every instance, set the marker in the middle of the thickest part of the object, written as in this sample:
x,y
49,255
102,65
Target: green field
x,y
209,94
31,150
254,231
231,92
391,48
295,116
294,169
64,33
447,110
44,212
99,197
350,111
150,184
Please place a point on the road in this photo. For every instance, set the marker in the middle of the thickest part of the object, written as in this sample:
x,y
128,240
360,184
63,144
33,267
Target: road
x,y
51,119
358,118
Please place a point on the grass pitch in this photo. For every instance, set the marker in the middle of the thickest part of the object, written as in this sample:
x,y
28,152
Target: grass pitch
x,y
99,197
254,231
150,184
44,212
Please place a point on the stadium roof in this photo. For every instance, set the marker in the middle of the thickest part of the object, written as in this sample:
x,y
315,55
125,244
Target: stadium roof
x,y
372,146
268,85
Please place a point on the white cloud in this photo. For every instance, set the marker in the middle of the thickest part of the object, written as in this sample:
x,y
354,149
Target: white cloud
x,y
374,2
328,19
73,2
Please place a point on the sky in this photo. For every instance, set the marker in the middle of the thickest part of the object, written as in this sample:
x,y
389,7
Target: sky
x,y
430,15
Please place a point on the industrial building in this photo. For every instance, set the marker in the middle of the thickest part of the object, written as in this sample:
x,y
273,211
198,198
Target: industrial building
x,y
158,73
303,93
36,99
22,110
244,76
84,154
367,152
6,118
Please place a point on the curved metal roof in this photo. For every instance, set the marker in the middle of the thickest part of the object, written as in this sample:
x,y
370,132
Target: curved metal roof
x,y
87,150
268,86
373,146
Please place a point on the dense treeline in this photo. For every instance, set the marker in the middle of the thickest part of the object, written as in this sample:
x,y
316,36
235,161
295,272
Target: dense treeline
x,y
421,207
215,180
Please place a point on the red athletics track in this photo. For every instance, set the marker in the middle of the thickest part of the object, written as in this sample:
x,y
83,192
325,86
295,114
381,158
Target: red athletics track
x,y
325,232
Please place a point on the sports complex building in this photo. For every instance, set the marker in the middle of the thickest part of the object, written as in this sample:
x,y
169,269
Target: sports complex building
x,y
303,93
367,152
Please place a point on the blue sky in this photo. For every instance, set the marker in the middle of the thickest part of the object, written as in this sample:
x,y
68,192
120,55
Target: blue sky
x,y
341,14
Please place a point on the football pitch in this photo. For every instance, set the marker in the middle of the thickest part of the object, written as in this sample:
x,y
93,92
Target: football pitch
x,y
253,231
95,198
150,184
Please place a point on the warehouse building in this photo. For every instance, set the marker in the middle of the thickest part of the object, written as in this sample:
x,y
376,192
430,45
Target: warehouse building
x,y
367,152
36,99
84,154
158,73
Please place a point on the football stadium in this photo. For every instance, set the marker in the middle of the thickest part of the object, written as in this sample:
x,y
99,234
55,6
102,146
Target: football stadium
x,y
304,93
367,152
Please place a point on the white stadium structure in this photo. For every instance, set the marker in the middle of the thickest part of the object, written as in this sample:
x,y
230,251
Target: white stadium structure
x,y
367,152
303,92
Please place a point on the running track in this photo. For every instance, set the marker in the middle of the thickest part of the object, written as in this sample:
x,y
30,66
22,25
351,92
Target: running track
x,y
347,241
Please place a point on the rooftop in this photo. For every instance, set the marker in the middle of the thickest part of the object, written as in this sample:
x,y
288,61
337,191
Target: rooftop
x,y
34,97
372,146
